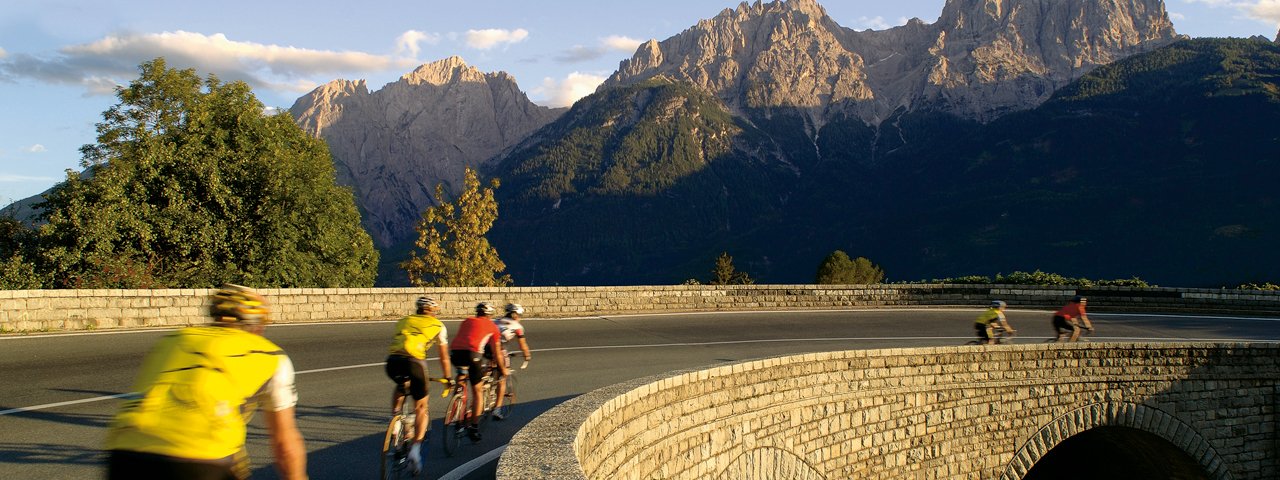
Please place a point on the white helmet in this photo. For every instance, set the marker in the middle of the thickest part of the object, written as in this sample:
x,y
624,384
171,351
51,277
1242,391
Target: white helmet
x,y
515,308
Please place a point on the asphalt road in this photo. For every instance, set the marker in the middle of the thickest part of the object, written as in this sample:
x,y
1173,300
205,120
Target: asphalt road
x,y
345,396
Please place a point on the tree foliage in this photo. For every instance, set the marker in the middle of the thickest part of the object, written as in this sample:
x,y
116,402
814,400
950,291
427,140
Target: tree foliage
x,y
838,269
451,237
1043,279
190,184
725,273
17,251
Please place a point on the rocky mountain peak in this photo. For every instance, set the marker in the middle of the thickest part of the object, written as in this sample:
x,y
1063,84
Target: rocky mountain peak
x,y
1277,37
442,72
981,59
394,145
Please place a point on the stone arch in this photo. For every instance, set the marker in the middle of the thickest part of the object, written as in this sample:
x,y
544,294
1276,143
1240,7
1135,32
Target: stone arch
x,y
1117,414
770,462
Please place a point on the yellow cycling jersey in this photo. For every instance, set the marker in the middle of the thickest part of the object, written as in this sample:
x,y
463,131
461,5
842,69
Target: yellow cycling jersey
x,y
197,389
415,333
991,315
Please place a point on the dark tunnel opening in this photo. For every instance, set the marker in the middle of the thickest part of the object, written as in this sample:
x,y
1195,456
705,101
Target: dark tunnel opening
x,y
1106,453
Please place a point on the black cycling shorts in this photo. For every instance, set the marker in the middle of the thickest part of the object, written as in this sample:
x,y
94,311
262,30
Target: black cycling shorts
x,y
1062,324
473,362
982,330
400,368
127,465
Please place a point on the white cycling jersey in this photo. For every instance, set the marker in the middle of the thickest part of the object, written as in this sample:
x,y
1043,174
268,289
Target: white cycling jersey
x,y
510,328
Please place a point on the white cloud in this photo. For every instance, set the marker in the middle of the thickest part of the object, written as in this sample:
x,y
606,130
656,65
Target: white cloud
x,y
562,93
620,43
37,148
410,42
1177,16
1267,10
101,65
610,44
12,178
489,38
3,53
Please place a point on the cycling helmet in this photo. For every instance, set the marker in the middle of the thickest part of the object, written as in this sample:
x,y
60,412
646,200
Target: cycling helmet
x,y
515,308
426,302
1078,299
485,309
238,305
998,304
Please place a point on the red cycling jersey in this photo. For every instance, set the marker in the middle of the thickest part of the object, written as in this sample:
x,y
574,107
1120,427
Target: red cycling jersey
x,y
1071,310
474,333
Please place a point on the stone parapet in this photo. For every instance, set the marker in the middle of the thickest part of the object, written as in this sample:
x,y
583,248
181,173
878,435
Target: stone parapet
x,y
54,310
945,412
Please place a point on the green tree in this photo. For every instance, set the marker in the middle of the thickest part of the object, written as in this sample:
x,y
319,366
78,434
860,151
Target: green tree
x,y
17,251
838,269
191,184
724,273
451,236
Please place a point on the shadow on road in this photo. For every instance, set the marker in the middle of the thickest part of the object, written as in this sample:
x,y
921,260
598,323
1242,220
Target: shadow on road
x,y
359,458
29,453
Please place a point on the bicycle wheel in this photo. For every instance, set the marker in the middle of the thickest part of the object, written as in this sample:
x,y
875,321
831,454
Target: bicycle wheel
x,y
394,448
455,422
509,399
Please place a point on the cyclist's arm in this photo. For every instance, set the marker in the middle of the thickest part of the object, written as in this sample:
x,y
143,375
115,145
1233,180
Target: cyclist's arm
x,y
499,354
445,363
1085,320
278,402
524,347
286,444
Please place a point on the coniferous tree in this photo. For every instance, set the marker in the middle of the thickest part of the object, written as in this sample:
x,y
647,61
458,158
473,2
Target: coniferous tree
x,y
725,273
191,184
451,236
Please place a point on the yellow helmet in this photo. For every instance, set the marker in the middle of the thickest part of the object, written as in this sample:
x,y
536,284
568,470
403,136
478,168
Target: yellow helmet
x,y
239,305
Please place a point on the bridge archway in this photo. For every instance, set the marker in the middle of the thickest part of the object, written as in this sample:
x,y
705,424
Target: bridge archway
x,y
1116,440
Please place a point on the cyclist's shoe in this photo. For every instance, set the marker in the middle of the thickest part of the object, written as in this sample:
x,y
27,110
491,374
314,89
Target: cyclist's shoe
x,y
415,458
473,432
498,416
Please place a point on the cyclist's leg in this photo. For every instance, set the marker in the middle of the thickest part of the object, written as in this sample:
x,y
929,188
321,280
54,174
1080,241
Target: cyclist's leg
x,y
495,375
418,388
1075,330
397,370
1061,326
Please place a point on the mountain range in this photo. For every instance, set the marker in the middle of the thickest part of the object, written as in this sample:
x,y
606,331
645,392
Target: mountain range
x,y
1082,137
1149,166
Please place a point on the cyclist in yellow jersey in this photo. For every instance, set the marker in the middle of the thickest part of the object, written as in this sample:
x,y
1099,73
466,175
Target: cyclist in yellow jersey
x,y
407,362
993,315
196,390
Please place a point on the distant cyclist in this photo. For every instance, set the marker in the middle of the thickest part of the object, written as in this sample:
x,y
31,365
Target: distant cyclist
x,y
195,392
510,327
407,360
994,317
1070,318
478,338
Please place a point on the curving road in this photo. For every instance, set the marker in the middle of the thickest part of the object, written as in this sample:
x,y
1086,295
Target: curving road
x,y
57,391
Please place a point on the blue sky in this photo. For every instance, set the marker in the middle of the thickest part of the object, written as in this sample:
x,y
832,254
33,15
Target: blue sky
x,y
60,59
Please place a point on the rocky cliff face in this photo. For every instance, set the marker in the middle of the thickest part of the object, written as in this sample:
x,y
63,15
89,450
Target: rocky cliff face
x,y
981,59
394,145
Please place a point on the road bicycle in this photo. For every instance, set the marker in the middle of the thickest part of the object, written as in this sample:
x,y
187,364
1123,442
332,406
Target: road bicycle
x,y
458,414
400,431
509,395
1000,334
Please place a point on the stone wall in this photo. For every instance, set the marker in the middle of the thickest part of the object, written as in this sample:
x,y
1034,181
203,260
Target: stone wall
x,y
49,310
926,413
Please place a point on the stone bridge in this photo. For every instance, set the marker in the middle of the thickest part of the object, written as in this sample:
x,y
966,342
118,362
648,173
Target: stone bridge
x,y
1158,411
